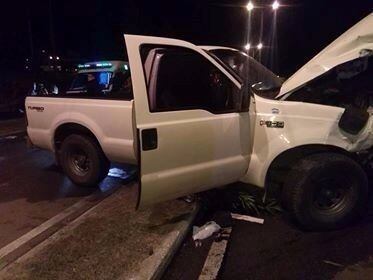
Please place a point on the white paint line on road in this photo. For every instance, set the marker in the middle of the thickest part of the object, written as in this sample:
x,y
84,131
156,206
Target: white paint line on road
x,y
215,257
10,137
43,227
50,239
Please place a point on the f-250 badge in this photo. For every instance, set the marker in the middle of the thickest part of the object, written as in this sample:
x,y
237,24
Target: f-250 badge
x,y
271,124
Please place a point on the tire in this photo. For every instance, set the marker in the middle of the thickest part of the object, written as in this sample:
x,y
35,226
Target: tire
x,y
326,191
83,161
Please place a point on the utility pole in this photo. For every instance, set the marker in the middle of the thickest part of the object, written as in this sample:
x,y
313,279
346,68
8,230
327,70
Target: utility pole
x,y
261,35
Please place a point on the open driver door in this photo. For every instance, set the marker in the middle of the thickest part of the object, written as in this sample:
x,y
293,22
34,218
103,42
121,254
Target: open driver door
x,y
193,132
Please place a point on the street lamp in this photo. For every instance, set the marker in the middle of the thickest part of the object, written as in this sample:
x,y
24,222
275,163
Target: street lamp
x,y
260,46
275,5
57,57
51,57
247,47
250,6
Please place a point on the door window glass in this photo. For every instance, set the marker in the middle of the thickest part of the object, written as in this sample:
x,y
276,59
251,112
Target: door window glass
x,y
259,78
187,80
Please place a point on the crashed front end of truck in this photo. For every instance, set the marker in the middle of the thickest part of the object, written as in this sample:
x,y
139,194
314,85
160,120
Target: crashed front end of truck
x,y
342,76
348,85
313,132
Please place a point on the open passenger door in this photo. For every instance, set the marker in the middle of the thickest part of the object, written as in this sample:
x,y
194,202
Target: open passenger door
x,y
193,132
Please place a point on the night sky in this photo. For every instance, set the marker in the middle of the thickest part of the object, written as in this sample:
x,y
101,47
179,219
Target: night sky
x,y
93,29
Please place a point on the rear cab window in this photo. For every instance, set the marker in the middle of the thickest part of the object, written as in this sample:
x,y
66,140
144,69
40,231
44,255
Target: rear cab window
x,y
105,80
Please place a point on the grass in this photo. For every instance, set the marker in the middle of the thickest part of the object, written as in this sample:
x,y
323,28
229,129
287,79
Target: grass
x,y
252,205
250,202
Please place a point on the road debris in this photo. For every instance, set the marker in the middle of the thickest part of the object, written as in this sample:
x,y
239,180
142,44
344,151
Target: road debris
x,y
205,231
333,263
125,172
118,173
189,198
247,218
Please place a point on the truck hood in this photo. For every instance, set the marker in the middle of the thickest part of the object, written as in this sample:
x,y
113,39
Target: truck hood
x,y
348,46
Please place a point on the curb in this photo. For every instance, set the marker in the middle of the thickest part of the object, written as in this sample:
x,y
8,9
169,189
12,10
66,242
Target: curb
x,y
150,266
154,267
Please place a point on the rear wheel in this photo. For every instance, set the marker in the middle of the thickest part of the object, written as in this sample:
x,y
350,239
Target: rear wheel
x,y
83,160
326,191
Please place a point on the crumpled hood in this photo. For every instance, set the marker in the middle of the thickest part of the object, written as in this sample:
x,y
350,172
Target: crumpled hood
x,y
348,46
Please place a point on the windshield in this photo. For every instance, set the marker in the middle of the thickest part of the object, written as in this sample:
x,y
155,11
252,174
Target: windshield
x,y
259,78
83,81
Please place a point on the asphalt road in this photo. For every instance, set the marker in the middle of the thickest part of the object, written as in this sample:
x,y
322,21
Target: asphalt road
x,y
33,189
279,250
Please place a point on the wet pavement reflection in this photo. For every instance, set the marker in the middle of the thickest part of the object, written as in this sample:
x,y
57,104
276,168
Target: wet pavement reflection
x,y
33,188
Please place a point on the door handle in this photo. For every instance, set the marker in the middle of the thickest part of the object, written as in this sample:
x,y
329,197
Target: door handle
x,y
149,139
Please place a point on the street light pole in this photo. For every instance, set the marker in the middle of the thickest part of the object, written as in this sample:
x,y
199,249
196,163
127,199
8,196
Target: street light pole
x,y
250,7
274,45
261,36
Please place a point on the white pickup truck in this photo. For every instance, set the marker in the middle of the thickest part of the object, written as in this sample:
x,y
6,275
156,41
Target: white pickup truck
x,y
194,118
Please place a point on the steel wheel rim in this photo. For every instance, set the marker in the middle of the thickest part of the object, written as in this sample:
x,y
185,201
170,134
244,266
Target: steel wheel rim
x,y
79,161
331,194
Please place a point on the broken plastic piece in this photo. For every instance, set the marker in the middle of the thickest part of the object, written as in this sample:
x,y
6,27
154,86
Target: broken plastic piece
x,y
205,231
247,218
364,140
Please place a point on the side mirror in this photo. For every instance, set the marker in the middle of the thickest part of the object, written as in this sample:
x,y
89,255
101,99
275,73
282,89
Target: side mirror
x,y
353,120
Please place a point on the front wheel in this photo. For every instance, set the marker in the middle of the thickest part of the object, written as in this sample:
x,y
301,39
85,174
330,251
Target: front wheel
x,y
83,160
326,191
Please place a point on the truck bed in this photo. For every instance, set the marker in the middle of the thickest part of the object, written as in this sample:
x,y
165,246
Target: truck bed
x,y
110,121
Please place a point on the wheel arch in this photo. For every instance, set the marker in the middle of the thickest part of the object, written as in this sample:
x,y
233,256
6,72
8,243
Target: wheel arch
x,y
66,129
282,163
